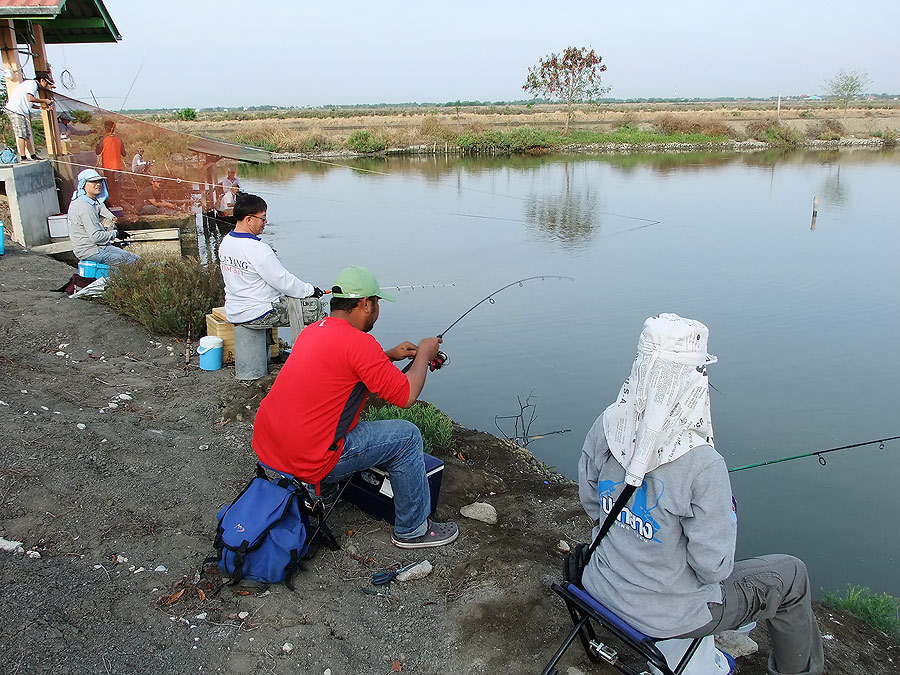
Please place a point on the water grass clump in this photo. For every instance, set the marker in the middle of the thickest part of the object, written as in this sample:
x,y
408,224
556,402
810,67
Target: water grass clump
x,y
879,610
365,142
168,298
436,427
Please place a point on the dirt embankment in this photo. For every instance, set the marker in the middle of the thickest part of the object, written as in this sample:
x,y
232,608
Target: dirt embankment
x,y
433,127
114,459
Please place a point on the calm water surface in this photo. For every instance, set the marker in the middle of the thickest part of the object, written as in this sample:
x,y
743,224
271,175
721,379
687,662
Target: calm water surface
x,y
805,322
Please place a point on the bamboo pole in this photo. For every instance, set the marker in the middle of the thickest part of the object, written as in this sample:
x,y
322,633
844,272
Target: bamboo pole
x,y
48,113
12,69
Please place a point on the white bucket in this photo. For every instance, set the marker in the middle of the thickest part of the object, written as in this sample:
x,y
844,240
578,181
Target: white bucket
x,y
707,660
210,352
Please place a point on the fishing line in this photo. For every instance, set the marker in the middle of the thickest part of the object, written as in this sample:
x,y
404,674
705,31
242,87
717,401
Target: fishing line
x,y
128,93
649,221
817,453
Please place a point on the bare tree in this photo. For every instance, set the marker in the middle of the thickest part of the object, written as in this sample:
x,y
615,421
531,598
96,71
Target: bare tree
x,y
847,85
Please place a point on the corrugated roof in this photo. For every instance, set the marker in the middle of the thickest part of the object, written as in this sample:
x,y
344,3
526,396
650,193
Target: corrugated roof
x,y
28,8
241,153
63,21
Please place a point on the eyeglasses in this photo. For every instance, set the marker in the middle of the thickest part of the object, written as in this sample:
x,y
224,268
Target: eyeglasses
x,y
262,218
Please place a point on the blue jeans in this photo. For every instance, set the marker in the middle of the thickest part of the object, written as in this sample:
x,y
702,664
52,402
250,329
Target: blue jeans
x,y
394,446
112,256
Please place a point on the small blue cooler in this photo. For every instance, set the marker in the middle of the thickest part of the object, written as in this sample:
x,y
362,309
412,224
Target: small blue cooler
x,y
210,352
92,270
87,268
371,490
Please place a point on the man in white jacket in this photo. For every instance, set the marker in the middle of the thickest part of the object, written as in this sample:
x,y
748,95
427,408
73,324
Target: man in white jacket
x,y
256,283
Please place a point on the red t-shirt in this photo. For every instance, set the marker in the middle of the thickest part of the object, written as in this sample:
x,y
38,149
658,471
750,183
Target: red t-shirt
x,y
295,427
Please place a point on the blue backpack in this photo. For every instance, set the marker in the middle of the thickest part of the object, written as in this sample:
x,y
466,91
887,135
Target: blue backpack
x,y
265,532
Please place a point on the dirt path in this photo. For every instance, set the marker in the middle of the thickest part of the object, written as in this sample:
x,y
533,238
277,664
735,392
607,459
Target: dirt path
x,y
113,461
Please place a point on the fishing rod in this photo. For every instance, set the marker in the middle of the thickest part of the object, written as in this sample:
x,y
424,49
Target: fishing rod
x,y
490,297
415,286
442,358
817,453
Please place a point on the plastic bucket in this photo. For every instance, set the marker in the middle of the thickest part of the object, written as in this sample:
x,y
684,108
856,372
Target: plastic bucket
x,y
88,269
707,660
102,270
210,352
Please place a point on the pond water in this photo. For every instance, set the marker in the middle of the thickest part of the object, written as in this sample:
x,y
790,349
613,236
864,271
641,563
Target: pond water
x,y
804,320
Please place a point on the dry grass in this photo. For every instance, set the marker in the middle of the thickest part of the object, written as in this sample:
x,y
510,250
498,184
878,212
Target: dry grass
x,y
427,126
671,123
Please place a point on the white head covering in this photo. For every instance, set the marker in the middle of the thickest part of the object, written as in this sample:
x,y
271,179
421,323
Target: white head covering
x,y
663,408
84,177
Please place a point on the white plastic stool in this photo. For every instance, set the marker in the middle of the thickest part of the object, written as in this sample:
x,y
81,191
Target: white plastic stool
x,y
707,660
251,353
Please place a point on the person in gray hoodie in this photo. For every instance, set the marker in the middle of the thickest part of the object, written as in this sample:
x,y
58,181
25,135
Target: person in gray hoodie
x,y
667,565
90,239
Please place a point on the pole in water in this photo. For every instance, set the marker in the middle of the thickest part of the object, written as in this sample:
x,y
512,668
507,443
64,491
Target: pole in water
x,y
812,225
817,453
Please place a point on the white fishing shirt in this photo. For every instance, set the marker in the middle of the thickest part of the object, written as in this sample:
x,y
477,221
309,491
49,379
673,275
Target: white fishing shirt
x,y
254,278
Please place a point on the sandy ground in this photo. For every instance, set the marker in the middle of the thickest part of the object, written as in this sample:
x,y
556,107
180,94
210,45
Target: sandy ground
x,y
114,459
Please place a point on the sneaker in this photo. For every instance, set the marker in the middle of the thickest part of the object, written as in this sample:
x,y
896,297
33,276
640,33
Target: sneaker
x,y
437,534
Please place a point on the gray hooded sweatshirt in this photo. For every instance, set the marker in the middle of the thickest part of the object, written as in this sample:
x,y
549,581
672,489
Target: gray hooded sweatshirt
x,y
674,541
86,231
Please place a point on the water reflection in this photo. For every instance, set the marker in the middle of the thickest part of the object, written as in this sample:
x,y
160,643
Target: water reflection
x,y
832,190
569,215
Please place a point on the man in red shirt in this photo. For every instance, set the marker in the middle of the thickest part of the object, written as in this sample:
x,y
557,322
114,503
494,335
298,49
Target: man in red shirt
x,y
308,425
110,151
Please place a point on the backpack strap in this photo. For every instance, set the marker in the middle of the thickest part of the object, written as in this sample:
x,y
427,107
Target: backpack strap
x,y
611,517
239,564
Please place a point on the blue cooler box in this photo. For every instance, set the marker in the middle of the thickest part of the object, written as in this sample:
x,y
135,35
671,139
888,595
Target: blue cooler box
x,y
371,490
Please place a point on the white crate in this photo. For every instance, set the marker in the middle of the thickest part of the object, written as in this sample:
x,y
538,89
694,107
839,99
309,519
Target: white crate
x,y
59,225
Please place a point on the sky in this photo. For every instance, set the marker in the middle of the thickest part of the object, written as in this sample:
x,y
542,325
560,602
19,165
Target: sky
x,y
199,53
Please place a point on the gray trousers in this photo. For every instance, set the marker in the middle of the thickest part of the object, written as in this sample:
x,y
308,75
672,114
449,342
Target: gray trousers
x,y
773,588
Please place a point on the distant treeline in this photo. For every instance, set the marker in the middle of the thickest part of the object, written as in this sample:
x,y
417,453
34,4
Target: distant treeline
x,y
481,104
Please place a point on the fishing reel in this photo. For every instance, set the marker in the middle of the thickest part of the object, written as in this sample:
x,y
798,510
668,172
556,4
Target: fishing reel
x,y
438,361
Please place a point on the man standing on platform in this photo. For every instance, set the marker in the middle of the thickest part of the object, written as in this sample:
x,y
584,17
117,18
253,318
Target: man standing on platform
x,y
18,109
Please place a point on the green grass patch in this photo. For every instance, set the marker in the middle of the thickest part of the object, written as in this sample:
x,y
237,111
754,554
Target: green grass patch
x,y
168,298
364,141
528,139
436,427
877,609
518,140
631,134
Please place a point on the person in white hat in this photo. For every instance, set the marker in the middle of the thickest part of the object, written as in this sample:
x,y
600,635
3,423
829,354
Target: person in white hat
x,y
667,565
90,239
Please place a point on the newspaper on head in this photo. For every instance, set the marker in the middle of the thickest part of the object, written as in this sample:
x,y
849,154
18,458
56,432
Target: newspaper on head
x,y
662,410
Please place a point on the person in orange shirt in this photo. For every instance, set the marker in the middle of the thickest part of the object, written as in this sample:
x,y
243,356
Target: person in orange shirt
x,y
110,151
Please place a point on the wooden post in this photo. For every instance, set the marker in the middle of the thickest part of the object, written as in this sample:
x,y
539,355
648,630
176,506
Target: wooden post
x,y
12,69
48,113
812,225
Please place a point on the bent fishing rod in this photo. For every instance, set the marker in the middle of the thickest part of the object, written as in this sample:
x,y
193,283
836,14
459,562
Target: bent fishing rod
x,y
442,358
817,453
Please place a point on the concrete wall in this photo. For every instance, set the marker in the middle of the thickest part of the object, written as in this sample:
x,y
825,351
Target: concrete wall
x,y
31,190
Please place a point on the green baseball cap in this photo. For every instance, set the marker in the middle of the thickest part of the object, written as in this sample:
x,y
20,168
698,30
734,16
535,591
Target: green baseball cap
x,y
358,282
